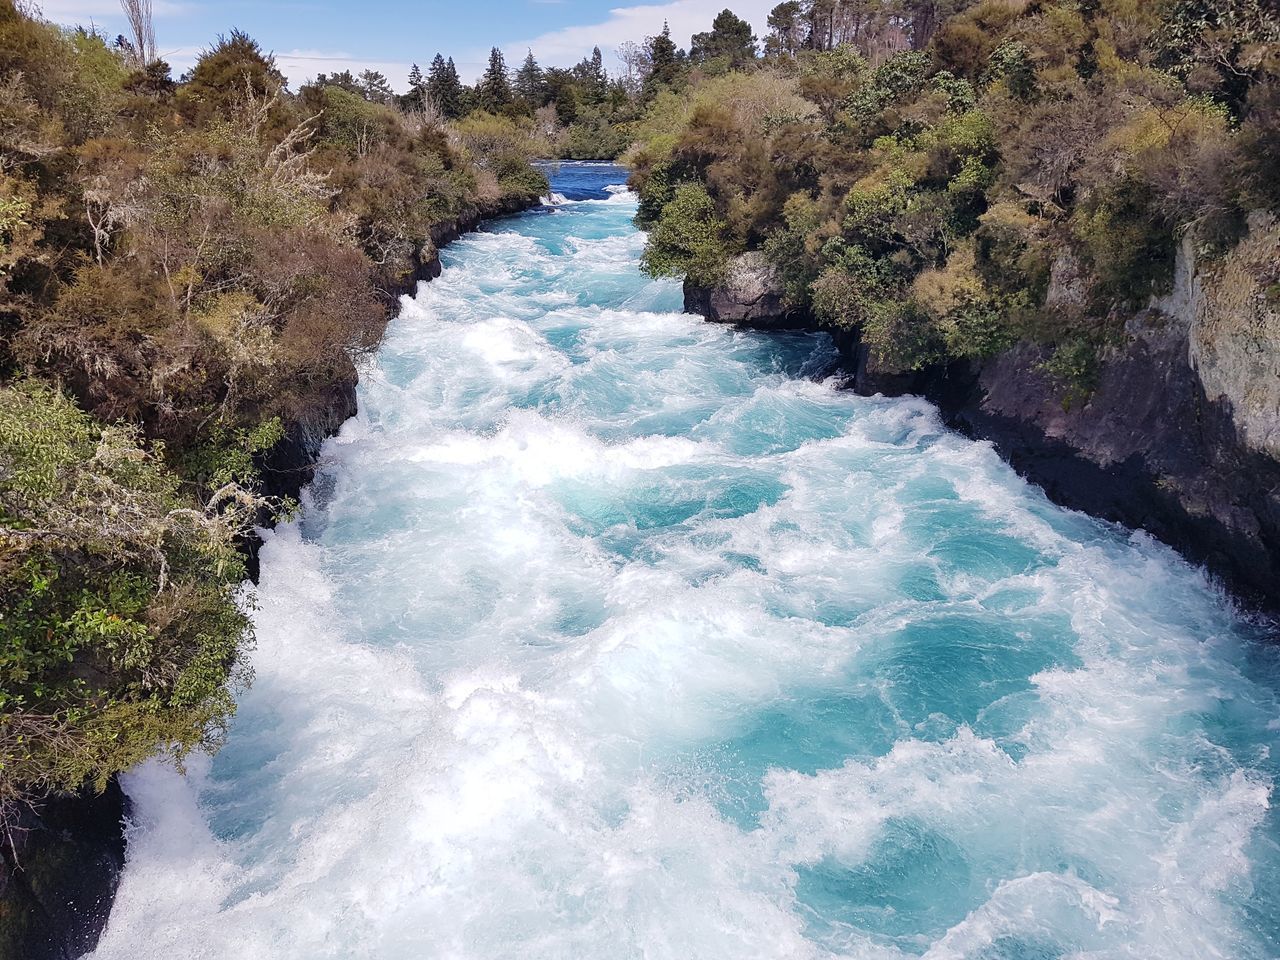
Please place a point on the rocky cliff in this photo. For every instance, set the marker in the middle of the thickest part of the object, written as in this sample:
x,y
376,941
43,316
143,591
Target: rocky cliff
x,y
62,859
1180,435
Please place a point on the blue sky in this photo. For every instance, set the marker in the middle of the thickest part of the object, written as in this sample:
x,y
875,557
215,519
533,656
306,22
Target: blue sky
x,y
313,36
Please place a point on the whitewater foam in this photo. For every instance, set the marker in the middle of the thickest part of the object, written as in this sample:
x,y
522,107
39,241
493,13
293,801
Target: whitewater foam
x,y
619,634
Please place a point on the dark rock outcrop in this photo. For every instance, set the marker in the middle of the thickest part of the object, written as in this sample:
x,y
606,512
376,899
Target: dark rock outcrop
x,y
59,877
1181,435
59,868
751,296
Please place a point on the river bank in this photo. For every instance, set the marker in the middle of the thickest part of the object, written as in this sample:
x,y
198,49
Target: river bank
x,y
62,861
1176,436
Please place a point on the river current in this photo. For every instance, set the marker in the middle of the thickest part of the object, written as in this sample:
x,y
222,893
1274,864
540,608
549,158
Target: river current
x,y
609,633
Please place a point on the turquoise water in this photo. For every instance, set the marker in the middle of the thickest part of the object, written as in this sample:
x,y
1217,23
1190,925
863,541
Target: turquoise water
x,y
609,633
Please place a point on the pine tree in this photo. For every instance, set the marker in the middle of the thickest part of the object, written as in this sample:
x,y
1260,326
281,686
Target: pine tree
x,y
444,88
494,89
592,77
786,27
374,87
417,94
530,83
665,60
730,38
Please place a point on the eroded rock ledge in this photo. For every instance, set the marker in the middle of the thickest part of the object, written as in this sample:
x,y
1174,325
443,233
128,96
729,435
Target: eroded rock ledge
x,y
751,296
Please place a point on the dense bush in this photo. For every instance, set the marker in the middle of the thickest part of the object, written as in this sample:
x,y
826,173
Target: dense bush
x,y
117,599
922,196
688,239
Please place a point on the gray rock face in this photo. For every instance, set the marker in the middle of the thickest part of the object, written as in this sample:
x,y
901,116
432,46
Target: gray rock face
x,y
1235,333
751,296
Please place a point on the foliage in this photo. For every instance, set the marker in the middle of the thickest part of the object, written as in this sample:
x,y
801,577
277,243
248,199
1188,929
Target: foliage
x,y
444,88
1073,365
1129,247
687,239
729,44
943,155
120,620
493,92
233,69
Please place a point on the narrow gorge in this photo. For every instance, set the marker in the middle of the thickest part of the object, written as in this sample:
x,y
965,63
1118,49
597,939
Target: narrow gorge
x,y
605,631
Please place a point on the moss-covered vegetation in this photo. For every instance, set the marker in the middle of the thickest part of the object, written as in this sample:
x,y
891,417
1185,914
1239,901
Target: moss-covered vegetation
x,y
189,268
951,178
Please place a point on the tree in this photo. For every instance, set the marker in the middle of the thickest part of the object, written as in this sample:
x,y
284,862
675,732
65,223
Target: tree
x,y
444,88
786,29
730,38
562,90
927,15
530,84
374,87
141,44
493,92
416,97
232,68
636,65
344,80
665,60
592,77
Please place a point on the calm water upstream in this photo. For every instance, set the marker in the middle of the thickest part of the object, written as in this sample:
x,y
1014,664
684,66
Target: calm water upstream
x,y
610,633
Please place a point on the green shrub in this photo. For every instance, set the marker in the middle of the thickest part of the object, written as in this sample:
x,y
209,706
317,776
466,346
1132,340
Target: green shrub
x,y
902,336
788,249
982,326
350,121
840,300
121,632
1074,367
1010,254
1129,248
1011,62
688,239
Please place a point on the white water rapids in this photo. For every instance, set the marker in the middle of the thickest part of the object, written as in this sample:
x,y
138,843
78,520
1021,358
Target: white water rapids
x,y
610,633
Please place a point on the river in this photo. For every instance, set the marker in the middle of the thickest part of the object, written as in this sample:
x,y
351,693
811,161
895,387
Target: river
x,y
609,633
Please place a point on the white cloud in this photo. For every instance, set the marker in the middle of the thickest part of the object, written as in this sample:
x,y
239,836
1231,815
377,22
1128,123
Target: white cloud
x,y
299,66
82,12
568,45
